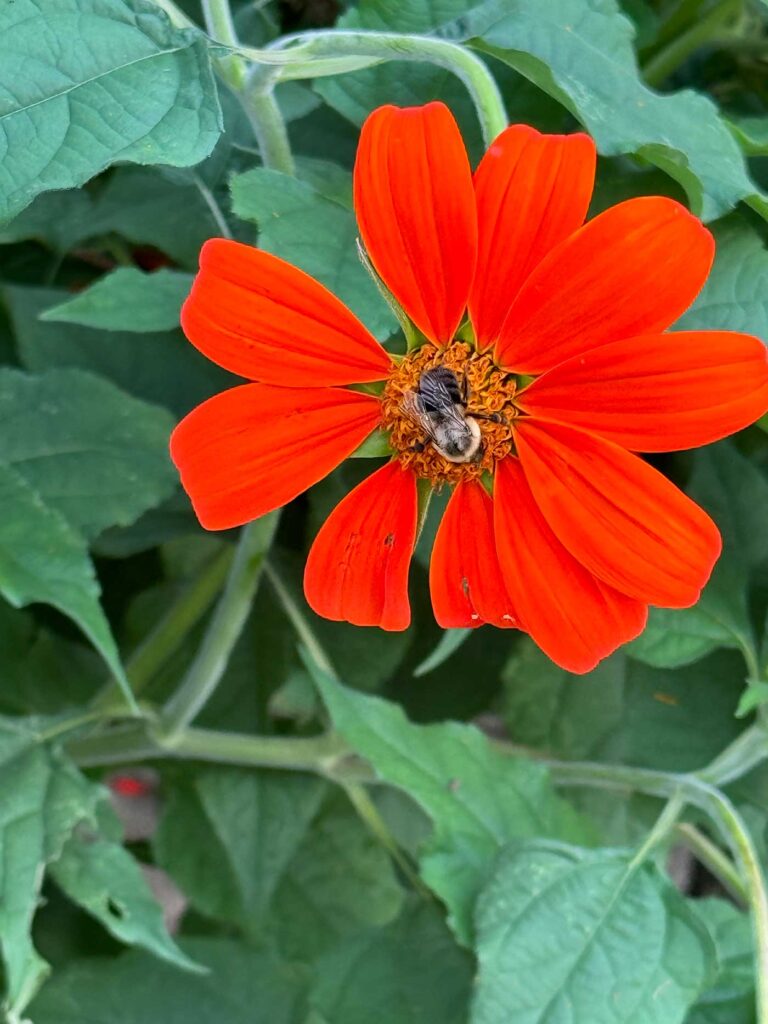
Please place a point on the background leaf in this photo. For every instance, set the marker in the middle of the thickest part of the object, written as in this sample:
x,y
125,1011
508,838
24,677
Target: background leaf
x,y
113,81
580,52
42,558
127,300
96,455
477,798
567,934
315,233
99,874
243,986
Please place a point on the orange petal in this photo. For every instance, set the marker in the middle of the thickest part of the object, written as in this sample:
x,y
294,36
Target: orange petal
x,y
659,392
260,317
416,211
357,568
464,573
254,448
632,270
617,515
574,617
532,191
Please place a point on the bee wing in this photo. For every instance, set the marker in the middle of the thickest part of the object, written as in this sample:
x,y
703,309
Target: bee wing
x,y
412,407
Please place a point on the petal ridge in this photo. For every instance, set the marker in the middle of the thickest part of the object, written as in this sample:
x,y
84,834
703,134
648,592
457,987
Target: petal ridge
x,y
574,617
658,393
532,191
632,270
618,516
416,212
357,567
253,448
464,574
262,318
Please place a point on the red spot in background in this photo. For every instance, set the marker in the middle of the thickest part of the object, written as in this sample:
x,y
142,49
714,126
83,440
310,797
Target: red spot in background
x,y
129,786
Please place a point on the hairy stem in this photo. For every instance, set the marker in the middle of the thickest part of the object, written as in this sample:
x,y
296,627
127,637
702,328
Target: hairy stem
x,y
167,636
315,47
224,628
269,128
221,28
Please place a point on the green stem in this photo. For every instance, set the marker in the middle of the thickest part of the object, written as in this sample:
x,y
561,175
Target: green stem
x,y
664,825
746,752
734,829
300,624
369,815
221,28
710,29
322,45
714,860
168,635
176,16
325,755
225,626
269,128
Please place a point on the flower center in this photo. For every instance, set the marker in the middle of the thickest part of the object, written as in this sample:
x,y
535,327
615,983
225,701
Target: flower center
x,y
449,412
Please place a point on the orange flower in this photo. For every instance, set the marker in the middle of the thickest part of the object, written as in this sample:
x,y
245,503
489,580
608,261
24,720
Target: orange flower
x,y
553,333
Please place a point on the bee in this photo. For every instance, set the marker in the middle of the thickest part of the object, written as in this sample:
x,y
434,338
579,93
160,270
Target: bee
x,y
439,406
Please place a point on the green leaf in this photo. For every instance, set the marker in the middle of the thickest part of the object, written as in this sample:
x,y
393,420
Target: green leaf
x,y
752,134
477,798
755,695
570,935
243,986
44,799
100,875
161,368
127,300
93,453
730,996
43,673
735,296
147,207
60,219
113,80
317,234
449,642
374,447
42,558
339,881
624,710
676,637
580,52
228,838
410,972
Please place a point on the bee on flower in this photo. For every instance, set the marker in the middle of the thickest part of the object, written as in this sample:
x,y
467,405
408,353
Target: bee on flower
x,y
545,365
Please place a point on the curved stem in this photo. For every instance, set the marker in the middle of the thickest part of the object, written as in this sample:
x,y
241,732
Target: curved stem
x,y
299,622
324,45
746,752
714,860
224,628
734,829
167,636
